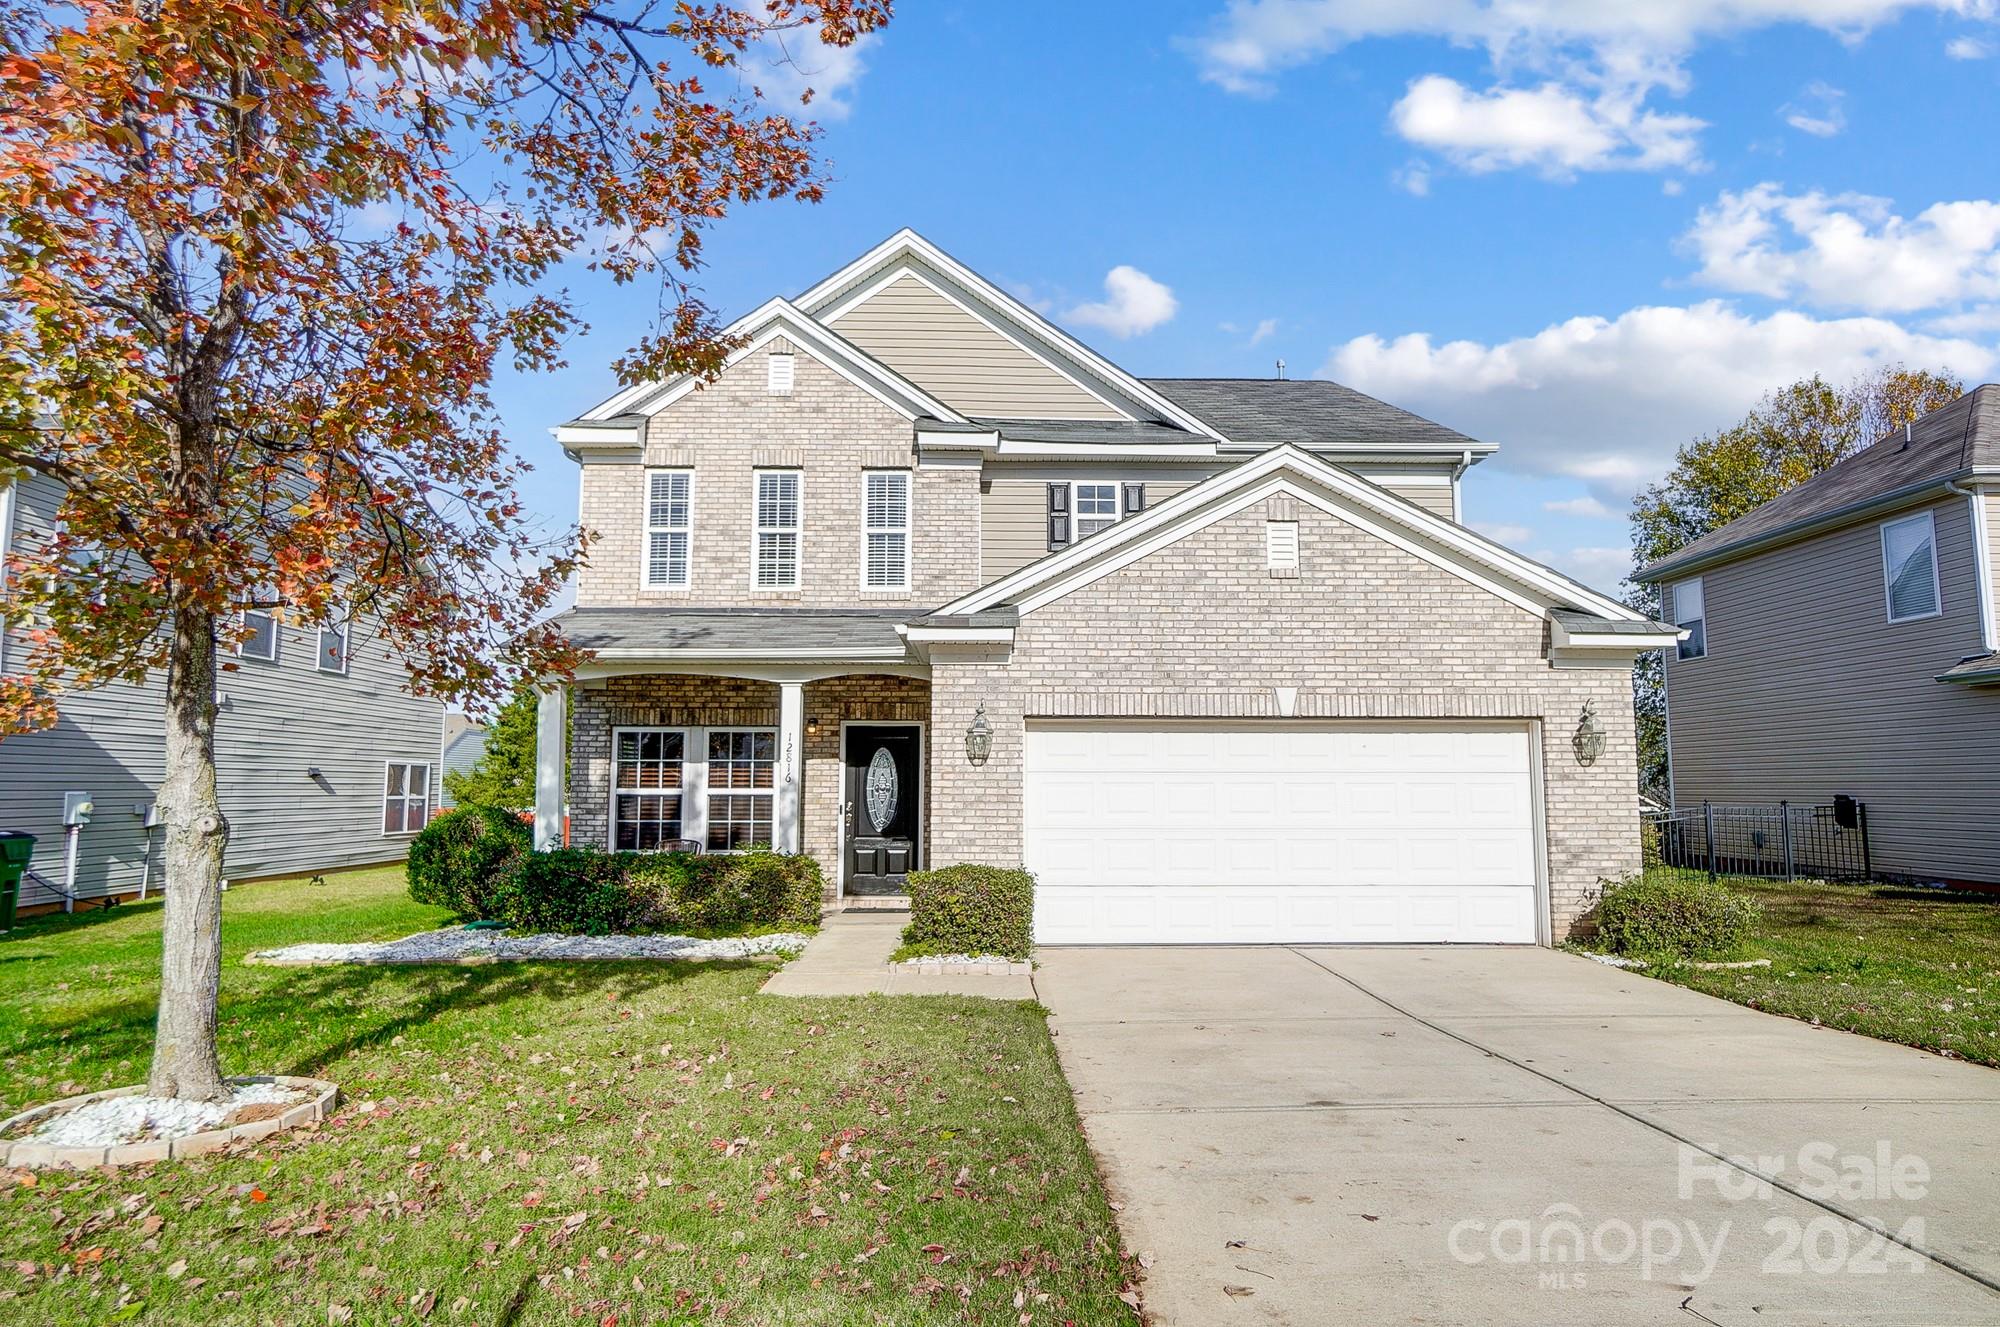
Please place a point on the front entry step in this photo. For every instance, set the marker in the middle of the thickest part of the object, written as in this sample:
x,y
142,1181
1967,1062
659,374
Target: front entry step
x,y
875,903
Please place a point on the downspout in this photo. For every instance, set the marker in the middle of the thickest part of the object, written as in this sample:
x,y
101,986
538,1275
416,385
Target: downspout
x,y
1982,567
1458,473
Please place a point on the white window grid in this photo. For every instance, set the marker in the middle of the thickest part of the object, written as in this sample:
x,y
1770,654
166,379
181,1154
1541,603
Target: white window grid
x,y
779,517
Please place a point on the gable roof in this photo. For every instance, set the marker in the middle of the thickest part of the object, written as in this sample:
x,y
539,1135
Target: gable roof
x,y
1310,412
1293,469
908,251
1948,444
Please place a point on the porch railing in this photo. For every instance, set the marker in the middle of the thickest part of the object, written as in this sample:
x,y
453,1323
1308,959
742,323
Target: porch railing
x,y
1785,841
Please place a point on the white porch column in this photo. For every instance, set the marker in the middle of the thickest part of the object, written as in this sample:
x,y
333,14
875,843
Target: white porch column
x,y
549,753
791,764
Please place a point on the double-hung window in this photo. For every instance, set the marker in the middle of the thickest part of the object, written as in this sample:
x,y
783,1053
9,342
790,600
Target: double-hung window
x,y
1096,507
885,522
262,642
669,521
1909,567
1690,612
777,535
406,797
742,787
649,770
333,648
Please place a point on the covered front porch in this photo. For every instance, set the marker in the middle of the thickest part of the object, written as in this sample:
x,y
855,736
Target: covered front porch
x,y
737,733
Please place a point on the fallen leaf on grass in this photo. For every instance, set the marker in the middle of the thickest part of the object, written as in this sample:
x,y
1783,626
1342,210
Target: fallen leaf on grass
x,y
424,1303
177,1269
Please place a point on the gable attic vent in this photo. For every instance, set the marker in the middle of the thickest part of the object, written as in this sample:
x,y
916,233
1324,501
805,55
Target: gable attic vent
x,y
1281,546
780,380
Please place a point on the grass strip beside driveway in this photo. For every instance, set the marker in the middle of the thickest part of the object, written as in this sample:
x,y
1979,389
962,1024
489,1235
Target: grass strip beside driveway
x,y
552,1143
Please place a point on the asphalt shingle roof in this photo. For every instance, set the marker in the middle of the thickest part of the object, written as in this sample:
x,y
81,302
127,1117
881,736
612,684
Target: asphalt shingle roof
x,y
1944,443
1310,412
744,631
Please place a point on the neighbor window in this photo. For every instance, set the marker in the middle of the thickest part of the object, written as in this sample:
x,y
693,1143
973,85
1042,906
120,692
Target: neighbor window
x,y
1690,613
406,798
777,535
333,648
742,787
649,766
885,507
668,518
1909,567
1096,507
262,642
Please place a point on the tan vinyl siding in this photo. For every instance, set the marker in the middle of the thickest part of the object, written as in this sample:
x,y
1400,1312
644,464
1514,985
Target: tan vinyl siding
x,y
1808,691
276,720
1014,514
1433,498
972,368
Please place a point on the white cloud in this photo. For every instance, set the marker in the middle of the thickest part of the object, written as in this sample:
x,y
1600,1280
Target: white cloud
x,y
1968,48
1414,178
1596,64
1504,533
1600,566
787,65
1607,400
1134,303
1552,128
1817,110
1583,506
1265,330
1848,251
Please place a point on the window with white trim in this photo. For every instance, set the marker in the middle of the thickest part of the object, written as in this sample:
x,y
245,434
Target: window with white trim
x,y
406,797
262,642
1095,506
669,524
885,529
777,535
742,787
1691,612
1909,567
648,778
331,648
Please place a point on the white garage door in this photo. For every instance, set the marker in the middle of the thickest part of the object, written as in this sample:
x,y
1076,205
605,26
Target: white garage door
x,y
1194,833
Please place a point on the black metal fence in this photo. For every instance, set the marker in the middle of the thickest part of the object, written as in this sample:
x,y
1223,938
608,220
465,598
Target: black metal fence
x,y
1785,841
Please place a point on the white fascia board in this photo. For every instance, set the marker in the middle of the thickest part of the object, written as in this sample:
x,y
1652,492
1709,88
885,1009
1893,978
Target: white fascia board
x,y
1361,504
670,657
942,440
908,242
960,635
1561,637
1108,452
770,320
1402,451
592,435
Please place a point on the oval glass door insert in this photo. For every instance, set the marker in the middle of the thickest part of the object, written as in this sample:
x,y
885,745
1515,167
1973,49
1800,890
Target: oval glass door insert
x,y
881,792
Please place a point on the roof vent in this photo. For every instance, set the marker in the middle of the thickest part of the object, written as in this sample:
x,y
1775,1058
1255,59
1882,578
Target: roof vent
x,y
1281,368
1908,434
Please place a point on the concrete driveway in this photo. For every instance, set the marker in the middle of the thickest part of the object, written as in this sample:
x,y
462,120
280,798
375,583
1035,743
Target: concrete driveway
x,y
1416,1135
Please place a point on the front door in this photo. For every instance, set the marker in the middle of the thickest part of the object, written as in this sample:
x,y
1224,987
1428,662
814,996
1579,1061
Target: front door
x,y
883,803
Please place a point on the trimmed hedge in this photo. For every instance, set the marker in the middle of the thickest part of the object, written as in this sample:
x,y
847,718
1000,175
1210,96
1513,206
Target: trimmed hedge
x,y
459,860
1669,914
576,891
719,891
971,909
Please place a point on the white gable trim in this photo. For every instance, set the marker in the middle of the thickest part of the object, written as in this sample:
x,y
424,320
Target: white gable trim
x,y
908,268
1291,469
769,321
906,242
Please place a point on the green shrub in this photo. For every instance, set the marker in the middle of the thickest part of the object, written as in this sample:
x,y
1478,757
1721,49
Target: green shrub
x,y
779,889
461,858
971,909
575,891
1672,914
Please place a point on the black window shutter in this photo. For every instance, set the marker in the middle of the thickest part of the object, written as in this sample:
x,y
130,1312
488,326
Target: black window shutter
x,y
1058,516
1135,499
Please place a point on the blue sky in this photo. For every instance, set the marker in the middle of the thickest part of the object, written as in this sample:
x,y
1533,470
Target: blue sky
x,y
1585,231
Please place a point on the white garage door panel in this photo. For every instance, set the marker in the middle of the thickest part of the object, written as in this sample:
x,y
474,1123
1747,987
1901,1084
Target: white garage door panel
x,y
1202,834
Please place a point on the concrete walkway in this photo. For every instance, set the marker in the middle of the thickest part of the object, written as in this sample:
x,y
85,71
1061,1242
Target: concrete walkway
x,y
1516,1136
850,956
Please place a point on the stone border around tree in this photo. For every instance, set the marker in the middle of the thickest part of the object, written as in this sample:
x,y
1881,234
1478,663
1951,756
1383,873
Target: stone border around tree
x,y
47,1156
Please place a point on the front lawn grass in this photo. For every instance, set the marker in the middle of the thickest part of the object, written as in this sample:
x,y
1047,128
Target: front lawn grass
x,y
551,1143
1918,966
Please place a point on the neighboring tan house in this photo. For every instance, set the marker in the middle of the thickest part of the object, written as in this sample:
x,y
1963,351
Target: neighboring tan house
x,y
1842,640
921,579
323,758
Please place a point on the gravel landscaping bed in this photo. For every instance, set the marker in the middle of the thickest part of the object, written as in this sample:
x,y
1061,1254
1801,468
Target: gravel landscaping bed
x,y
458,945
113,1120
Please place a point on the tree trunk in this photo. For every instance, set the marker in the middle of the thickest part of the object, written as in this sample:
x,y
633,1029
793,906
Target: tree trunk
x,y
185,1063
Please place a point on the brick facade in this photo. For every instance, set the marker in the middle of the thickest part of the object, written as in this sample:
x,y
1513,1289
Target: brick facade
x,y
1366,630
826,427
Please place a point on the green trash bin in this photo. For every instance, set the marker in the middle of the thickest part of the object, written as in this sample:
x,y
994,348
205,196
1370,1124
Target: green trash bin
x,y
15,850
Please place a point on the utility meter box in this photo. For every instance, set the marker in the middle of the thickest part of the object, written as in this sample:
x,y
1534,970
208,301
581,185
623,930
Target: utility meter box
x,y
76,808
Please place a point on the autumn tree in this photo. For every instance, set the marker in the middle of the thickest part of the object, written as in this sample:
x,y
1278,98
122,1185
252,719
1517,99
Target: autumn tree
x,y
260,260
1791,435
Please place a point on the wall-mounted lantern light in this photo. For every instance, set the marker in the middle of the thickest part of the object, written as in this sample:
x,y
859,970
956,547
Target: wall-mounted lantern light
x,y
1588,739
979,737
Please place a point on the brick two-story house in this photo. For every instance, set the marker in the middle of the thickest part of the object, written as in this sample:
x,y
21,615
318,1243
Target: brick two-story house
x,y
921,579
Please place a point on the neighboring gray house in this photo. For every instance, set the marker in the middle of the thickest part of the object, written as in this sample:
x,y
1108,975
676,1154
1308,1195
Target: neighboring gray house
x,y
922,579
324,759
464,744
1842,639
